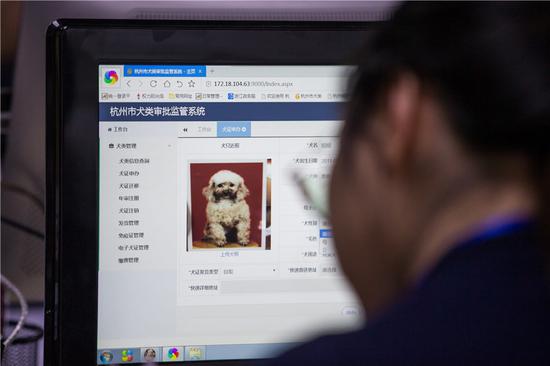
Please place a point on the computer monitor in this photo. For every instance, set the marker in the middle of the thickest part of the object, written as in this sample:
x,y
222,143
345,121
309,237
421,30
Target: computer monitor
x,y
175,229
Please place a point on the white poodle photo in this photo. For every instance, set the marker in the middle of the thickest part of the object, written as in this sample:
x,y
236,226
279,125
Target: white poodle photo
x,y
227,213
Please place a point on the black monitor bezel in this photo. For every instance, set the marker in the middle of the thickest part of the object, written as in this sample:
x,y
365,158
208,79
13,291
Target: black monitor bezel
x,y
75,48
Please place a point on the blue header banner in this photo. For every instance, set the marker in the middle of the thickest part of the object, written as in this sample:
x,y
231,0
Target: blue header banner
x,y
212,111
165,70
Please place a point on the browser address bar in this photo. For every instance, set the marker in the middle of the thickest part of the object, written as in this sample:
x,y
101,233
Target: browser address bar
x,y
249,83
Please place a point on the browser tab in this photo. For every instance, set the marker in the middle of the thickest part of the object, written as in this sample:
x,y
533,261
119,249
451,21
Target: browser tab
x,y
234,129
165,70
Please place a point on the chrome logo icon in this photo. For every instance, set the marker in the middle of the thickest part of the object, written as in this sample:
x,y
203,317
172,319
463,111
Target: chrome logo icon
x,y
110,77
173,354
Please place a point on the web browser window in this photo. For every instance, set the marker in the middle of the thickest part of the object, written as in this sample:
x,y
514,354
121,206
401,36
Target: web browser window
x,y
207,248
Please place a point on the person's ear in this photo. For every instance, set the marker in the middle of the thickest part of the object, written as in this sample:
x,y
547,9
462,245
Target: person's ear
x,y
401,118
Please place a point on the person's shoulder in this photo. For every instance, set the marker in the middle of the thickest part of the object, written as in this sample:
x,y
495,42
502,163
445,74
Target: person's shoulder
x,y
472,309
343,349
388,341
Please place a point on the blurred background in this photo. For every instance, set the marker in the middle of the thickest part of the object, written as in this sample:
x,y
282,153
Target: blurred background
x,y
23,28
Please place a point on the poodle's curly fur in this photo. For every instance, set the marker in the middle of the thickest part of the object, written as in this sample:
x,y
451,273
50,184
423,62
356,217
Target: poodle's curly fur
x,y
227,213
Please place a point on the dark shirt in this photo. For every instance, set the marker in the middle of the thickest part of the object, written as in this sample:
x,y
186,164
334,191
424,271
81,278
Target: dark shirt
x,y
487,302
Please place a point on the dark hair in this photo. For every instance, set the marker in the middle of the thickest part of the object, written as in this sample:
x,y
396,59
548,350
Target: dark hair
x,y
488,62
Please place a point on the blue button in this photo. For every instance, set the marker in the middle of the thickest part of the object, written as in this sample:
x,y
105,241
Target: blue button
x,y
233,129
326,233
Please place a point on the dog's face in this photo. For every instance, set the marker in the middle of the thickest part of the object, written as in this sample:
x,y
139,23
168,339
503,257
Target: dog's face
x,y
225,184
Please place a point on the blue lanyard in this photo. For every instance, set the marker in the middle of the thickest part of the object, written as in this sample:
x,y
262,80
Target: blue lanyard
x,y
491,228
497,226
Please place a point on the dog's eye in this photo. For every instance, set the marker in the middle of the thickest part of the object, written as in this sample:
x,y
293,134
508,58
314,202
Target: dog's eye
x,y
220,185
231,185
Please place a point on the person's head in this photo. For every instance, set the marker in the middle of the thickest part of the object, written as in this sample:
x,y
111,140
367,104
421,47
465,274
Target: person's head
x,y
450,108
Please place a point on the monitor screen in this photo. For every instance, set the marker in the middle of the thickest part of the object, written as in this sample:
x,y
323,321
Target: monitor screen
x,y
207,248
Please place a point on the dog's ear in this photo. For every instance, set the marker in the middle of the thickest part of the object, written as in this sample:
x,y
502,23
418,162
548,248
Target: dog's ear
x,y
208,191
242,192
